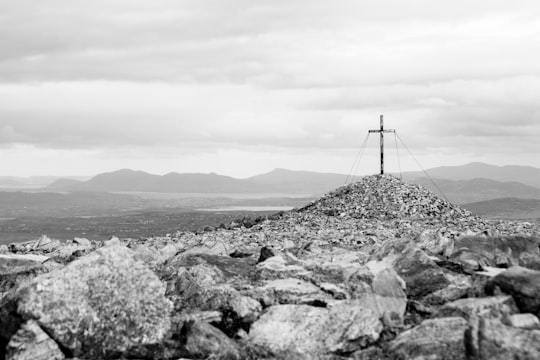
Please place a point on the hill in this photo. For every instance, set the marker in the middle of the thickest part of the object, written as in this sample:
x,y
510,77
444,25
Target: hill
x,y
527,175
506,208
479,189
277,181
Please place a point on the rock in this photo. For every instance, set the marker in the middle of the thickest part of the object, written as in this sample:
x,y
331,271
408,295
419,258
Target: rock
x,y
493,307
307,332
265,254
246,309
277,267
433,339
294,291
524,321
290,329
82,241
420,272
492,340
501,251
350,327
16,269
524,286
203,341
68,253
202,287
381,290
98,305
46,244
30,342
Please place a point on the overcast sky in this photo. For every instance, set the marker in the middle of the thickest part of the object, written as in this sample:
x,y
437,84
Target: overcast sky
x,y
240,87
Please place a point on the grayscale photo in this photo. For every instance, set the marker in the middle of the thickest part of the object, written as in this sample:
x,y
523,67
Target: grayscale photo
x,y
247,179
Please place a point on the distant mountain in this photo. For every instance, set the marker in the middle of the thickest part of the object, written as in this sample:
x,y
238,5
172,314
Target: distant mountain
x,y
506,208
299,181
524,174
467,191
139,181
33,182
64,184
458,187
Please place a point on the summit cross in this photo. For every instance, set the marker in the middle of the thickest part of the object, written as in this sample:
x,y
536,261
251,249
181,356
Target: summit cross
x,y
382,131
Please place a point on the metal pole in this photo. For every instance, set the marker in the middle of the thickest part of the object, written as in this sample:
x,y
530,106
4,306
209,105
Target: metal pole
x,y
382,146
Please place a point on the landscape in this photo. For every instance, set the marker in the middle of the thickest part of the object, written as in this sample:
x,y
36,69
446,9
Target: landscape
x,y
269,180
135,204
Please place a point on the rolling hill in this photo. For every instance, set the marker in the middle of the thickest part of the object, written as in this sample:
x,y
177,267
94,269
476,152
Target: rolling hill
x,y
527,175
468,191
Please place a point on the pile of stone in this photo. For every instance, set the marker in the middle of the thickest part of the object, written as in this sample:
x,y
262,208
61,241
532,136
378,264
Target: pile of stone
x,y
375,270
386,197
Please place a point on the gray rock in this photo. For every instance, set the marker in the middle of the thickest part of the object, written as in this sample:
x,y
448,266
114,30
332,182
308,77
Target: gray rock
x,y
293,291
350,327
290,329
310,331
30,342
420,272
524,321
203,341
524,286
16,269
493,340
503,251
433,339
500,307
101,304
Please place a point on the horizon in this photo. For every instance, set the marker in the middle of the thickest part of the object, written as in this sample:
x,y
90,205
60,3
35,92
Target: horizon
x,y
67,176
90,87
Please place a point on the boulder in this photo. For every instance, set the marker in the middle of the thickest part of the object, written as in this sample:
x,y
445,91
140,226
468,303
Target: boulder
x,y
290,329
501,251
99,305
524,286
203,287
433,339
16,269
350,327
303,331
379,288
490,339
494,307
201,340
293,291
30,342
524,321
420,272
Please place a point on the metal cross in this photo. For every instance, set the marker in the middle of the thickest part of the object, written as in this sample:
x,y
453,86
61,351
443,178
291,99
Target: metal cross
x,y
382,131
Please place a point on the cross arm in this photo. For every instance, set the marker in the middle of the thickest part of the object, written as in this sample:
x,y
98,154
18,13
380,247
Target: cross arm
x,y
385,130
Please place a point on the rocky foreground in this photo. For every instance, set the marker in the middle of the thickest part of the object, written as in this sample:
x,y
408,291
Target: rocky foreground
x,y
379,269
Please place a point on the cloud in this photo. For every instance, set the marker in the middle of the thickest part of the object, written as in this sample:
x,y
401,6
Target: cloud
x,y
285,77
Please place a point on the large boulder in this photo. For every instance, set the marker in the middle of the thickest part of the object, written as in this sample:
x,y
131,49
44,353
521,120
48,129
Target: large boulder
x,y
441,339
502,251
524,286
494,307
302,331
379,288
201,340
99,305
420,272
490,339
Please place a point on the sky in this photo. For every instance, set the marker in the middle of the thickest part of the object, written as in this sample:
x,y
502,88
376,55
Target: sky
x,y
240,87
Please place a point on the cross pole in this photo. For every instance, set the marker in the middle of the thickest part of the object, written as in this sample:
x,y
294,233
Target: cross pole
x,y
382,131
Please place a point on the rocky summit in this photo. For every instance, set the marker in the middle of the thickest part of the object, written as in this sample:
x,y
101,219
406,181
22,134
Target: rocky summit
x,y
377,269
